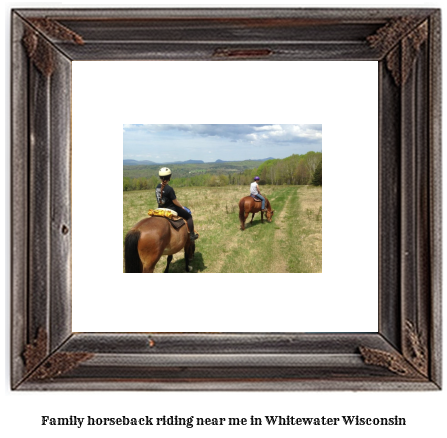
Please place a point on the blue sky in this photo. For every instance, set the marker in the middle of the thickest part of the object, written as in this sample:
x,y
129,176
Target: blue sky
x,y
167,143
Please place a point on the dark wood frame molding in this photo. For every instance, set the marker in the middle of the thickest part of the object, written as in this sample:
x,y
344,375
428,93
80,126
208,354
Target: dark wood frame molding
x,y
405,354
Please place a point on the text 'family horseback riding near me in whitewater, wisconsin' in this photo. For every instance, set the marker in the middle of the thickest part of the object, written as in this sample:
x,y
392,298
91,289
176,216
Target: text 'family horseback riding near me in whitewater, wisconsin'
x,y
193,421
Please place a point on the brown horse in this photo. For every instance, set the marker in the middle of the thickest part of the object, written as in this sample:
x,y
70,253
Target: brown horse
x,y
151,238
248,205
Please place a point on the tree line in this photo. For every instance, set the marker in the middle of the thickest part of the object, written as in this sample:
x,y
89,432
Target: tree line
x,y
294,170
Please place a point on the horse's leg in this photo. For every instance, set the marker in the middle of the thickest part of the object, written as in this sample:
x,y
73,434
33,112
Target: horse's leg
x,y
252,217
168,263
149,263
262,217
243,218
186,261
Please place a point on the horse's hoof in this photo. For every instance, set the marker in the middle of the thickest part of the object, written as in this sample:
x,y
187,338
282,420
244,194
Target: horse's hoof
x,y
189,268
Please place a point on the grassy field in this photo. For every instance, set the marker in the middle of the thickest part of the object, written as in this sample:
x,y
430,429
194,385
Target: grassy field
x,y
292,242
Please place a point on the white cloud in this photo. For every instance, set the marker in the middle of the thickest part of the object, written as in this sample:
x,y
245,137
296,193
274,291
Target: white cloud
x,y
182,140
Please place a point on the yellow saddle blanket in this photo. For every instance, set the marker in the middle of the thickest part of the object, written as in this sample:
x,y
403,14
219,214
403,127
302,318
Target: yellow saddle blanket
x,y
164,212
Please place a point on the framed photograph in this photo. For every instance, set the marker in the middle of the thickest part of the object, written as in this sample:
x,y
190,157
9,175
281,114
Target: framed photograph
x,y
265,172
50,352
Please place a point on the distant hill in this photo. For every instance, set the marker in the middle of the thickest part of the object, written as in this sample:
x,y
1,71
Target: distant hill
x,y
149,163
198,173
190,162
185,162
236,161
266,159
138,163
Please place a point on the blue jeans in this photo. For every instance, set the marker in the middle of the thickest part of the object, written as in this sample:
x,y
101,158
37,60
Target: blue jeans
x,y
262,199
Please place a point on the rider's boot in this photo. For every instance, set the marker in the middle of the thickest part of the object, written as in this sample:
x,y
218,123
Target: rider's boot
x,y
193,236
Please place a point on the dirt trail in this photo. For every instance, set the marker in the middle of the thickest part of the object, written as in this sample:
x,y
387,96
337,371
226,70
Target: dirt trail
x,y
279,264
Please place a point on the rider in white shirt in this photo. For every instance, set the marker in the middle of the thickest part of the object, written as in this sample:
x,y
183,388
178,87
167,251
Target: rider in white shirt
x,y
254,191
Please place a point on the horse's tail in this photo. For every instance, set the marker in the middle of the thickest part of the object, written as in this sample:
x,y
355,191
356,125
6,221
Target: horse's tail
x,y
132,260
241,210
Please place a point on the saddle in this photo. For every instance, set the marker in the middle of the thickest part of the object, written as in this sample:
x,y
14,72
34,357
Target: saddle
x,y
256,198
177,222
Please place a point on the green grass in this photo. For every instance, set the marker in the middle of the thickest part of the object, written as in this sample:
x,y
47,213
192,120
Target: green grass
x,y
287,244
305,230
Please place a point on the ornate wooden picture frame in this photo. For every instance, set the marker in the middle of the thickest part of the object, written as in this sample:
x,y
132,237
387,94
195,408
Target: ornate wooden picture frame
x,y
405,353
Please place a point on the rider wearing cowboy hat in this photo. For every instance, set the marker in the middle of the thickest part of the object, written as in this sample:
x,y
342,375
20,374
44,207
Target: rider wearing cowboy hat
x,y
166,199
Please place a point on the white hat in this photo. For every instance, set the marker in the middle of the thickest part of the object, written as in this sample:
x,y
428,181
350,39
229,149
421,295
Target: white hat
x,y
164,171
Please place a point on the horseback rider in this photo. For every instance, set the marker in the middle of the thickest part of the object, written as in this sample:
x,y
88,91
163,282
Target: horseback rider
x,y
166,199
254,191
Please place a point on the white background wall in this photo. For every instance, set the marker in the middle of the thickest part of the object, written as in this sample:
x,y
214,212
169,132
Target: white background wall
x,y
21,412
